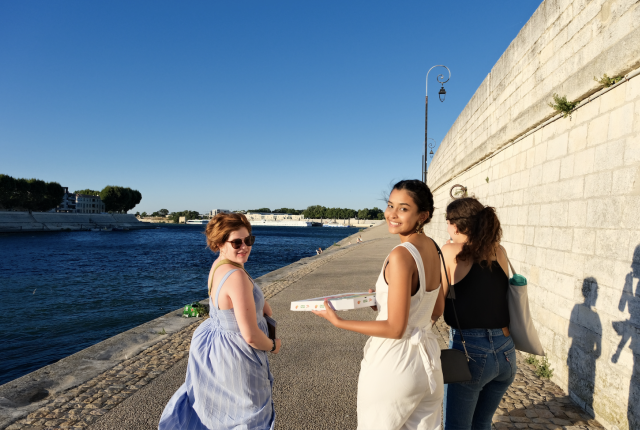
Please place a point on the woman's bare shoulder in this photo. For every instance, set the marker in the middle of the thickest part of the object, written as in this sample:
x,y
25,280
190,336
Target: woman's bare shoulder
x,y
451,249
400,256
237,276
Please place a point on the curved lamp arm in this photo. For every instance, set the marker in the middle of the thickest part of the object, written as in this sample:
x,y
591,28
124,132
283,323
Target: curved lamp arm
x,y
439,78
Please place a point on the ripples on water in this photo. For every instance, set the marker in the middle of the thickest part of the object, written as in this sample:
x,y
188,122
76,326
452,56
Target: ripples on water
x,y
63,292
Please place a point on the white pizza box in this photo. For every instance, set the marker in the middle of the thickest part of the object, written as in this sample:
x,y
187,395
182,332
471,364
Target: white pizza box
x,y
340,302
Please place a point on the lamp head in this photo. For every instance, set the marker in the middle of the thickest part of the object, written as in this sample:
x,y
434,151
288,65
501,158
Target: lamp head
x,y
442,93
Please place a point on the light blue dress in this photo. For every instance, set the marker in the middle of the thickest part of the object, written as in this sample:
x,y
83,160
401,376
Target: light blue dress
x,y
228,384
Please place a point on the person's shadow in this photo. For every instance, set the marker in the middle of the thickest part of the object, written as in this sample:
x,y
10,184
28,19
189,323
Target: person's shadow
x,y
586,347
630,330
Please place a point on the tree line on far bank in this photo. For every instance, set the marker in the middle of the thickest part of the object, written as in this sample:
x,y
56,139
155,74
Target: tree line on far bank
x,y
318,211
173,216
29,194
115,199
41,196
342,213
314,212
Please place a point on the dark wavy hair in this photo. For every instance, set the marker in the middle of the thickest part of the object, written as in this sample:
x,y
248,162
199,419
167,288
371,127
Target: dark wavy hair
x,y
421,195
481,226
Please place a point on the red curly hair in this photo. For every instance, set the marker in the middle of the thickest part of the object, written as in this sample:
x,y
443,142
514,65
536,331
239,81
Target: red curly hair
x,y
221,226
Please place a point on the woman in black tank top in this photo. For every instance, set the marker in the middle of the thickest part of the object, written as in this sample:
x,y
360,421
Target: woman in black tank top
x,y
477,267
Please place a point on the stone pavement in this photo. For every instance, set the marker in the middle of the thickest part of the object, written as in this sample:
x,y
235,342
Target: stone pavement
x,y
315,374
536,403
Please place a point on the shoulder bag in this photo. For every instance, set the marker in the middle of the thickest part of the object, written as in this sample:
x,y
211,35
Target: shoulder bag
x,y
523,332
455,363
271,325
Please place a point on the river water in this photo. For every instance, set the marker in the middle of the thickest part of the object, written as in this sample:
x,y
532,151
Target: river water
x,y
63,292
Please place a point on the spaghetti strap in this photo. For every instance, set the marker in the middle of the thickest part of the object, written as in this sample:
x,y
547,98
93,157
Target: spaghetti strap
x,y
220,263
226,275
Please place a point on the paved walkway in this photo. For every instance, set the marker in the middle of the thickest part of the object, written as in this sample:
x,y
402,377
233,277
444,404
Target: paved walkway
x,y
316,372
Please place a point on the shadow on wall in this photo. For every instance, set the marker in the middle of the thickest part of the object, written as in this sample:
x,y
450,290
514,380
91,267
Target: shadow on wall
x,y
586,347
630,330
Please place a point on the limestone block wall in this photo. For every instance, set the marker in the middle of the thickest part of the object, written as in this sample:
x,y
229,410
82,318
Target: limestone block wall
x,y
567,192
559,50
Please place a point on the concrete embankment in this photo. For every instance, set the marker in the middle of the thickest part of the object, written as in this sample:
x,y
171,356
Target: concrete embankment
x,y
17,222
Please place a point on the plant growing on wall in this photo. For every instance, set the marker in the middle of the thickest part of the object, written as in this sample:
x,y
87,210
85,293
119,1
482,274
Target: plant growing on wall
x,y
563,106
607,81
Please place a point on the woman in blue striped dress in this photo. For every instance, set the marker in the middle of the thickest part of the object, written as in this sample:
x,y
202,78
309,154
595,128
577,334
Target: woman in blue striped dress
x,y
228,383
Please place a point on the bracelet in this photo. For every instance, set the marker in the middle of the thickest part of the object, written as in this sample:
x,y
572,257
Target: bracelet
x,y
274,345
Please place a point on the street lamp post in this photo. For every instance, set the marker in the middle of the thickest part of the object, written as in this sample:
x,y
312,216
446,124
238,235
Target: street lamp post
x,y
431,145
441,95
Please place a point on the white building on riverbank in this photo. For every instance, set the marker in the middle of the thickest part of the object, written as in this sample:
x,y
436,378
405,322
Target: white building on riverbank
x,y
86,204
258,216
215,212
80,204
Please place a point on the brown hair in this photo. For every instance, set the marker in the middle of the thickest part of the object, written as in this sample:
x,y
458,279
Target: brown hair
x,y
221,226
481,226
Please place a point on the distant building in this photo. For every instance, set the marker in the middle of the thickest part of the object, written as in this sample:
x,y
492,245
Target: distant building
x,y
215,212
80,203
86,204
68,204
258,216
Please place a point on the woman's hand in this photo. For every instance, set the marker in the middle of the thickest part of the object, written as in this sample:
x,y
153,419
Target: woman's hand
x,y
278,346
375,308
329,314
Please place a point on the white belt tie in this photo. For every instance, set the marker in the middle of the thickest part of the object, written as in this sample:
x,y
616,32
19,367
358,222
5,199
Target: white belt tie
x,y
430,354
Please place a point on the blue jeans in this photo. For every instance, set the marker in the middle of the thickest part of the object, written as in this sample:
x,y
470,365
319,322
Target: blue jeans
x,y
471,405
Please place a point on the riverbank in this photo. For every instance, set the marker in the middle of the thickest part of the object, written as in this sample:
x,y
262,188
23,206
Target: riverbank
x,y
28,222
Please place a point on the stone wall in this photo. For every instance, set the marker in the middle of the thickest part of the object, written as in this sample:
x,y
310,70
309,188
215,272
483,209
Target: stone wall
x,y
567,191
17,222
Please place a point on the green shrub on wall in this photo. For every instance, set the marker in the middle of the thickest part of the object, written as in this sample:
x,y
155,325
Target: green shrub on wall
x,y
606,81
563,106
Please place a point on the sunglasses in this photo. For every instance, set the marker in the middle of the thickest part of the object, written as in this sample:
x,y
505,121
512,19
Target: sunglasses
x,y
237,243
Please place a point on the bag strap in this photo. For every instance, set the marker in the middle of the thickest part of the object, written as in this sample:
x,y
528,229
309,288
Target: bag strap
x,y
513,270
451,295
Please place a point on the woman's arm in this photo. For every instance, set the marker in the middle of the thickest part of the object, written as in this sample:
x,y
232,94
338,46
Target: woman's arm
x,y
240,293
438,309
398,272
267,309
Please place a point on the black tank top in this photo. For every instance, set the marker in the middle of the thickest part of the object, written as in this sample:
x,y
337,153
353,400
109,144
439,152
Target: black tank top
x,y
481,299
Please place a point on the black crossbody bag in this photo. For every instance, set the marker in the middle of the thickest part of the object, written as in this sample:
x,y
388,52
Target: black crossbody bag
x,y
455,363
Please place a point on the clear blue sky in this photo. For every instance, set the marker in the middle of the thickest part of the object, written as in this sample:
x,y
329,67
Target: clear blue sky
x,y
238,104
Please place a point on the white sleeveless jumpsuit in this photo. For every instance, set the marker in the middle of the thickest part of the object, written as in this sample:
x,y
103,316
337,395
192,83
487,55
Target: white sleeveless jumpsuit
x,y
400,384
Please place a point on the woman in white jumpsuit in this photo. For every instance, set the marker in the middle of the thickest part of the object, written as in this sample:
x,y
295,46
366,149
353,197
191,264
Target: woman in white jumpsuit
x,y
400,384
